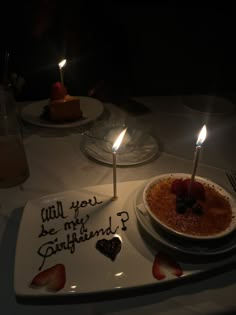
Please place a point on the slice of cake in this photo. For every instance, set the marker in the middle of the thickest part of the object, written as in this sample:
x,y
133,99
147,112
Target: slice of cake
x,y
62,106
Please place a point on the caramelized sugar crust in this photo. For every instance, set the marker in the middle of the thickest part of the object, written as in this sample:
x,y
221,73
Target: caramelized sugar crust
x,y
216,216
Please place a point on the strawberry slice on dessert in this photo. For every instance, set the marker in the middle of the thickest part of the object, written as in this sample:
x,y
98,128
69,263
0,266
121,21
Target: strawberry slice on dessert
x,y
53,278
163,259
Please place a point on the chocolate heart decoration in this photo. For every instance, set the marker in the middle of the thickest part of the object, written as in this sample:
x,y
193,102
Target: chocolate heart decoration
x,y
109,248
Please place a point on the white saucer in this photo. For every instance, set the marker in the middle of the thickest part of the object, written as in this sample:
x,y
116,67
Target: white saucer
x,y
191,248
91,108
137,147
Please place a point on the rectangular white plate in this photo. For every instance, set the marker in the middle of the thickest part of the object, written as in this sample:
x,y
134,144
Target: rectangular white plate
x,y
87,270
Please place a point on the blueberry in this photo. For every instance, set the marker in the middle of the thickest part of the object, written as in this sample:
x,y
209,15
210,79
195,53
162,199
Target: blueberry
x,y
190,202
180,205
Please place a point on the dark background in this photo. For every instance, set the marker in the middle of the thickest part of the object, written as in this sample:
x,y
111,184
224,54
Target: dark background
x,y
135,48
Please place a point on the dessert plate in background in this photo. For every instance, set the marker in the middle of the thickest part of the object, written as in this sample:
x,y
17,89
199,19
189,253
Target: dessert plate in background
x,y
91,108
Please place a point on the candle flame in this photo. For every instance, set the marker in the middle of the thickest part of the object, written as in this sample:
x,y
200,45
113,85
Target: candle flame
x,y
118,140
62,63
202,136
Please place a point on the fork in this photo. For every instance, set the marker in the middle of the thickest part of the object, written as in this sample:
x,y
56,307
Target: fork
x,y
232,179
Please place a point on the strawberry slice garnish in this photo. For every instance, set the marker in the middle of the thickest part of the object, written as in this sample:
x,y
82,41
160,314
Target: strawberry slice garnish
x,y
163,259
157,271
53,278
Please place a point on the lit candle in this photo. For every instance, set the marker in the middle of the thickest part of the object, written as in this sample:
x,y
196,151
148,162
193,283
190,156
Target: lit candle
x,y
201,138
115,148
61,65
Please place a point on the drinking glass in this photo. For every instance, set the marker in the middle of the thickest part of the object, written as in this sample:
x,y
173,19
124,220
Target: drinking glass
x,y
14,168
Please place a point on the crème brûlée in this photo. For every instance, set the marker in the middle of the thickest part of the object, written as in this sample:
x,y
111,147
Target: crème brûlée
x,y
62,106
214,217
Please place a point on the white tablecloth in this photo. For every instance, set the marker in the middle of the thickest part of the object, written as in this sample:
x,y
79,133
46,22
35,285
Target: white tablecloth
x,y
57,164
